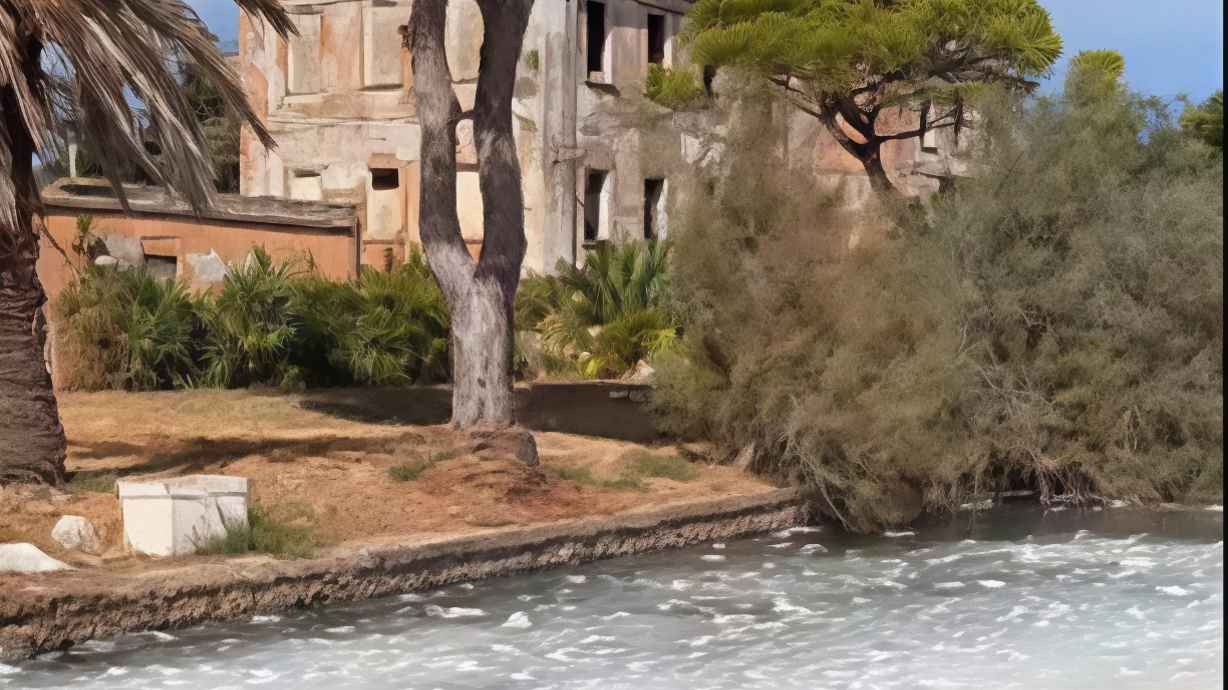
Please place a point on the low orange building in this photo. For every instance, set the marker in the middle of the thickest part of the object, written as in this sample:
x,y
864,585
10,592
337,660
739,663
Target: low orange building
x,y
165,235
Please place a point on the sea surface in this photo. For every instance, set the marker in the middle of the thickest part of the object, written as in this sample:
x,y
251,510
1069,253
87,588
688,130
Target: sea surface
x,y
1014,597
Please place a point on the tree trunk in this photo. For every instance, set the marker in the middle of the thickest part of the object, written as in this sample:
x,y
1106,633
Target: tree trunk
x,y
481,295
869,154
872,161
32,444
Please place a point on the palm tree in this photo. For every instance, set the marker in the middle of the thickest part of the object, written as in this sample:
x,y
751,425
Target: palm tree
x,y
76,64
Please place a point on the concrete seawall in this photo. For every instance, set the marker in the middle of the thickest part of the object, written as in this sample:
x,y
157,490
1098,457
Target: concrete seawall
x,y
57,610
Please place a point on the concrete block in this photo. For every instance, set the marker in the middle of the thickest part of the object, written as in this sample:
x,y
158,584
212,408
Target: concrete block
x,y
75,532
126,248
171,517
27,558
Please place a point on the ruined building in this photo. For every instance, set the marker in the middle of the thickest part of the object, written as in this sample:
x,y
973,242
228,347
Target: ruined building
x,y
597,158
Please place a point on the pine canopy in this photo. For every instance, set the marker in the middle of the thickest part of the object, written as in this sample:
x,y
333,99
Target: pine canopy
x,y
851,58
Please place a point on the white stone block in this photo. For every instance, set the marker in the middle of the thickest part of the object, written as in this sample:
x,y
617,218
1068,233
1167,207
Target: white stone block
x,y
27,558
171,517
75,532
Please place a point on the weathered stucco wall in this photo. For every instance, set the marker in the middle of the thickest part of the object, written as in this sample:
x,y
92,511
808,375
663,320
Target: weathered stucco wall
x,y
201,247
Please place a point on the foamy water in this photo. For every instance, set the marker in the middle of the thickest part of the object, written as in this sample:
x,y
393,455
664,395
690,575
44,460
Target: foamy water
x,y
1028,601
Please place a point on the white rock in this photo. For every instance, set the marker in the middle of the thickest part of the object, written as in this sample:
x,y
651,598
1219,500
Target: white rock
x,y
171,517
27,558
75,532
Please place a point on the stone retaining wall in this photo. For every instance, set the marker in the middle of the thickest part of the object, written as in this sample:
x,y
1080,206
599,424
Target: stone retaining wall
x,y
46,612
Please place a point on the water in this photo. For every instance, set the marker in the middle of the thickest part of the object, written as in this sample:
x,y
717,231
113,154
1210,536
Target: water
x,y
1112,599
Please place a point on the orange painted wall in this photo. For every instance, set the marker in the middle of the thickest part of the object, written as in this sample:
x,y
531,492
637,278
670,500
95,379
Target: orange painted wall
x,y
171,235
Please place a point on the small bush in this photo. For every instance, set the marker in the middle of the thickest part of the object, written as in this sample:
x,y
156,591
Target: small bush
x,y
580,475
648,465
125,330
92,482
598,320
408,471
281,530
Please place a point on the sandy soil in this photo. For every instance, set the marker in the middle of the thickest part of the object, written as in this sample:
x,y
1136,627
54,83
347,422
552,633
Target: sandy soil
x,y
333,472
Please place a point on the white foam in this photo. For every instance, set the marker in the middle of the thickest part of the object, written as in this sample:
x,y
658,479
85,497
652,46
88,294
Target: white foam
x,y
712,557
991,584
1216,508
340,629
520,619
897,535
452,612
576,579
781,545
949,585
1174,591
813,548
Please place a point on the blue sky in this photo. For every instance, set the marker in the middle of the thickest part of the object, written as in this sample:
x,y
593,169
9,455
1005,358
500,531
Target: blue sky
x,y
1170,47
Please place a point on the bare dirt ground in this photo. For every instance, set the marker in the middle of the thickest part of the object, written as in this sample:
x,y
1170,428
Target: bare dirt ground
x,y
336,475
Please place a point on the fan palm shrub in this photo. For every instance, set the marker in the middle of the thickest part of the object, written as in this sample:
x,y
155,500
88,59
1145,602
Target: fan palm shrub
x,y
125,329
613,310
383,328
251,331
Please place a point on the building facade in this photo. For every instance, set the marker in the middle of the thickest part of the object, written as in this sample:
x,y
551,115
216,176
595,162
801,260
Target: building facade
x,y
597,158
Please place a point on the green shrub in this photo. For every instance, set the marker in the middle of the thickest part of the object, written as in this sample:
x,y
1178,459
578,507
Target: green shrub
x,y
610,313
251,331
408,471
282,530
654,465
92,482
125,329
1056,324
383,328
272,324
674,89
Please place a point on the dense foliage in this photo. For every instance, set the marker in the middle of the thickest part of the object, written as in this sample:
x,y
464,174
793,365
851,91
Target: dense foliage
x,y
1056,325
598,320
271,324
282,324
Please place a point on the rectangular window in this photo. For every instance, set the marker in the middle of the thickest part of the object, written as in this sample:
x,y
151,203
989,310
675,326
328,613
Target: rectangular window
x,y
161,266
385,178
384,204
652,208
656,39
595,19
594,188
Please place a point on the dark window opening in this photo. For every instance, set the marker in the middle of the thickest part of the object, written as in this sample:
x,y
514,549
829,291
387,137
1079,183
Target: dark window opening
x,y
162,266
709,76
385,178
652,199
656,39
306,173
593,185
595,17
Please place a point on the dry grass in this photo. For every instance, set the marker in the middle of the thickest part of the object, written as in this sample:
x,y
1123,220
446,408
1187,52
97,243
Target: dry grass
x,y
353,478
